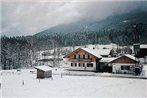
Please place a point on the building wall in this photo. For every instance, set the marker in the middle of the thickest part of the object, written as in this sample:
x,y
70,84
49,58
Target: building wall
x,y
40,74
116,68
48,74
81,67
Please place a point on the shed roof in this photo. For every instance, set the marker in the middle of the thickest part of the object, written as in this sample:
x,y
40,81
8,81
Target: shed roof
x,y
43,68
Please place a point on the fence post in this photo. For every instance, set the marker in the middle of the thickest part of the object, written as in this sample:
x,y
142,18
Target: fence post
x,y
22,82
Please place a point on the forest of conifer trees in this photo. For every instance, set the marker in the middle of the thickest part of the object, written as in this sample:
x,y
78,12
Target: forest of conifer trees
x,y
20,51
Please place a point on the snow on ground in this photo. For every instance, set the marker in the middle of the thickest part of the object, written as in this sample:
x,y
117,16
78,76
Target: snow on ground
x,y
69,86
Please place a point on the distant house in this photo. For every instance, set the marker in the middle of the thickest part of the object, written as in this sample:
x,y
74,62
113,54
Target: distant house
x,y
47,57
143,52
48,60
105,52
44,71
84,59
124,64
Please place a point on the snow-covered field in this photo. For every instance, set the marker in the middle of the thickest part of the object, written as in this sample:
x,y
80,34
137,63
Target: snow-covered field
x,y
70,86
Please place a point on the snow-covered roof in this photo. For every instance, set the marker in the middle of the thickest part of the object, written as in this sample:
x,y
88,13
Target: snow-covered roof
x,y
94,52
104,51
143,46
127,55
98,52
101,46
131,57
44,68
107,59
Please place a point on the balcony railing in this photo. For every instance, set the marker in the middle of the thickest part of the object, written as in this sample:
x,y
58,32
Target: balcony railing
x,y
80,60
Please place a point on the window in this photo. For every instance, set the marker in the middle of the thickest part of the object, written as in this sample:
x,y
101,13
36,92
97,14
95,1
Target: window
x,y
125,67
89,65
71,64
128,67
79,64
83,64
83,56
88,56
79,56
122,67
75,64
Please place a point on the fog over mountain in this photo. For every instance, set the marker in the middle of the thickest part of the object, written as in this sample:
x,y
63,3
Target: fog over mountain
x,y
28,18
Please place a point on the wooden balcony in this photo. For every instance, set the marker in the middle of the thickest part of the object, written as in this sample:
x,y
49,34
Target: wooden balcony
x,y
80,60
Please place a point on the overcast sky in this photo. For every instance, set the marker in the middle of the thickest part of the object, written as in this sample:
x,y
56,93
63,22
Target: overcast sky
x,y
27,17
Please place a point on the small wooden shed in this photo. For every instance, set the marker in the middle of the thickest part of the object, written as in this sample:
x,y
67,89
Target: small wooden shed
x,y
44,72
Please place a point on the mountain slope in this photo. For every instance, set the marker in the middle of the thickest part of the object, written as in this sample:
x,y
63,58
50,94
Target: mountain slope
x,y
115,22
77,26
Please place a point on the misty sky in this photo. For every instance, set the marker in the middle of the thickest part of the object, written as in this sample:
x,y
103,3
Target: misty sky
x,y
27,17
